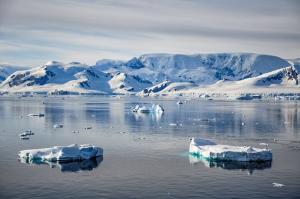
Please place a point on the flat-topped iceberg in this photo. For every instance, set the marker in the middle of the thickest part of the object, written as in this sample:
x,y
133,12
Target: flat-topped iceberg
x,y
212,151
62,153
154,108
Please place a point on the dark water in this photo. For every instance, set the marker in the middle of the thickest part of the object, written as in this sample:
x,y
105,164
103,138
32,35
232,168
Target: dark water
x,y
149,158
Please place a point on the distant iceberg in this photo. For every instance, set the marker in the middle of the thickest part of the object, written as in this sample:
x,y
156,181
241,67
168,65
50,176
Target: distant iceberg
x,y
61,153
212,151
154,108
36,115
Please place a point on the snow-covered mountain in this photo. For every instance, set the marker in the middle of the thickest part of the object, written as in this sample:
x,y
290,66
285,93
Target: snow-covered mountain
x,y
7,69
72,78
155,74
285,80
201,69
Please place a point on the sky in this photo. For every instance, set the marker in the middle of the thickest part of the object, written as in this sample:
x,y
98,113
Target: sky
x,y
33,32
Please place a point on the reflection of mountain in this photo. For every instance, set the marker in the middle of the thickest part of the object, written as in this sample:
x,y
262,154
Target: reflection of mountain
x,y
75,166
231,165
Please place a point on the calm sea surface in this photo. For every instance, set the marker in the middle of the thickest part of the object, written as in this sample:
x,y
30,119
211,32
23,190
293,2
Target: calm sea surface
x,y
145,156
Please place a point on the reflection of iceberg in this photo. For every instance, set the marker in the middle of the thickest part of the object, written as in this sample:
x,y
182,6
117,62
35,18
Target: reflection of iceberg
x,y
62,153
75,166
154,116
212,151
231,165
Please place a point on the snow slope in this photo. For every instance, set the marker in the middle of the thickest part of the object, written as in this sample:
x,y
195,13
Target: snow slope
x,y
281,81
7,69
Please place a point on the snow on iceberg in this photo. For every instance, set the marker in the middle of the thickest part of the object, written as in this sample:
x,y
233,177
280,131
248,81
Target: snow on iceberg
x,y
212,151
154,108
62,153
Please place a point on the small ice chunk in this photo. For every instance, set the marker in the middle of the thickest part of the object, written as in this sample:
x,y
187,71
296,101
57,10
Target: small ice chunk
x,y
26,135
275,184
57,126
263,144
179,102
36,115
172,124
154,108
211,151
62,153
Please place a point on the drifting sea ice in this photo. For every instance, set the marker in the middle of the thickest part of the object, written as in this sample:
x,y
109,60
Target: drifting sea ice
x,y
57,126
26,135
154,108
36,115
212,151
62,153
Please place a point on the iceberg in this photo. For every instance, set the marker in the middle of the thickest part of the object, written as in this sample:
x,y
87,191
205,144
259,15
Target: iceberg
x,y
26,134
218,152
57,126
36,115
61,153
154,108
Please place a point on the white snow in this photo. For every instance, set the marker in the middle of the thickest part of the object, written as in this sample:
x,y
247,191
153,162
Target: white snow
x,y
62,153
213,151
154,108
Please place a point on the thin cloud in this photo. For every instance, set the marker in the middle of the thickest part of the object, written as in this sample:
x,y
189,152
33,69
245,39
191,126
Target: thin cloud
x,y
92,29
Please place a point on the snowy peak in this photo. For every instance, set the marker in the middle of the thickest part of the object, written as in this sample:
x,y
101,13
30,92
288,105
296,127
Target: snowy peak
x,y
122,83
7,69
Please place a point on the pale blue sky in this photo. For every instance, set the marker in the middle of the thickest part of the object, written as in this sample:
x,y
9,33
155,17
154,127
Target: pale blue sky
x,y
35,31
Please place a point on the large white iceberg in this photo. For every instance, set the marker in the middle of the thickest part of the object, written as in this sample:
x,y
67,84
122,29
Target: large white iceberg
x,y
212,151
154,108
62,153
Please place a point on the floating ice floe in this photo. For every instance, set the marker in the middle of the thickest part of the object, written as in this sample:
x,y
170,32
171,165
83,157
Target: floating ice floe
x,y
26,135
61,153
154,108
275,184
36,115
179,102
57,126
212,151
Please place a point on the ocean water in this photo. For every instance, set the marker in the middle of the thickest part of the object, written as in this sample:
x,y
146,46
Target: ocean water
x,y
145,156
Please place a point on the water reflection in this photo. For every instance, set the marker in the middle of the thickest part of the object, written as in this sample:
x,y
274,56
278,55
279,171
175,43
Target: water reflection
x,y
231,165
74,166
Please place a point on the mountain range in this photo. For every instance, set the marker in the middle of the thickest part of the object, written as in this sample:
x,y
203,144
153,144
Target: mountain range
x,y
157,74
